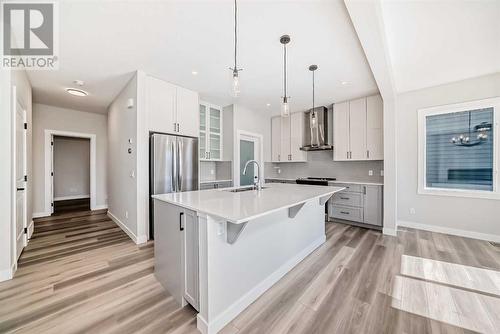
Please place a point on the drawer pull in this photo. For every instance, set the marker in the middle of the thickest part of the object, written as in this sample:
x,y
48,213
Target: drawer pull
x,y
344,212
344,198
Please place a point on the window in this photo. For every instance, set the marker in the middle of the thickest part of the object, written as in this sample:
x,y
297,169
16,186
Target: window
x,y
458,149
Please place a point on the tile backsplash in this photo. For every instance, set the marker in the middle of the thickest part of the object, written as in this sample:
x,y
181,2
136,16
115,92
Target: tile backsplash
x,y
321,164
215,170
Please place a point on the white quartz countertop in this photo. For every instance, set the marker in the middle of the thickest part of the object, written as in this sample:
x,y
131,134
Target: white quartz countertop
x,y
240,207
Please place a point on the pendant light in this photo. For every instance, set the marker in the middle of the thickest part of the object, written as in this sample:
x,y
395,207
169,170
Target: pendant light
x,y
314,118
235,83
285,106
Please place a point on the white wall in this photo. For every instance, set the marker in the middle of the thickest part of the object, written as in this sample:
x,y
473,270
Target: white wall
x,y
122,184
47,117
71,168
475,217
8,81
256,121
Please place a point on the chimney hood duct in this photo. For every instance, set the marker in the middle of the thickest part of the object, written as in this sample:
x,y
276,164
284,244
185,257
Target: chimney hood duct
x,y
316,130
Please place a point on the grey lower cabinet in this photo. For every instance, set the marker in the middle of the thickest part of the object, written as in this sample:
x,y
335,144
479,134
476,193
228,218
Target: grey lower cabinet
x,y
176,252
357,203
215,185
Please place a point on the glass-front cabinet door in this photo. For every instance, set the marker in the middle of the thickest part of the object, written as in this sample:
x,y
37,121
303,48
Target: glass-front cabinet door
x,y
210,132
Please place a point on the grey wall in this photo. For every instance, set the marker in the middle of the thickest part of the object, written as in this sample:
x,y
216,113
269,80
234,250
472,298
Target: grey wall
x,y
321,164
122,182
468,214
71,168
215,170
62,119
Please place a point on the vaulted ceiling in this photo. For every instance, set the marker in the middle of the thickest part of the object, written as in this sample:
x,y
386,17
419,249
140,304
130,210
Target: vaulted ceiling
x,y
103,42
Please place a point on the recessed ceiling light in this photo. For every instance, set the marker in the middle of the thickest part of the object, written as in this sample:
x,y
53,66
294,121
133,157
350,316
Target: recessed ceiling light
x,y
268,104
194,72
344,83
76,92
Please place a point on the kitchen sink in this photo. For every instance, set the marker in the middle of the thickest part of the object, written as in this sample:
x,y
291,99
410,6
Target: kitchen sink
x,y
246,188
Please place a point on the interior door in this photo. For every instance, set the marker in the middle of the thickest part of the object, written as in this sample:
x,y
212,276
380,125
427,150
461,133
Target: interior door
x,y
247,152
20,180
357,127
341,131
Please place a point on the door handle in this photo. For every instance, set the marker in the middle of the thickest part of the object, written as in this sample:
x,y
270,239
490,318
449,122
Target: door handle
x,y
368,154
344,212
179,165
181,227
20,189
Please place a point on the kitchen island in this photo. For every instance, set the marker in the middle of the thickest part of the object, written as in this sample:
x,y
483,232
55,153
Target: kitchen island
x,y
219,250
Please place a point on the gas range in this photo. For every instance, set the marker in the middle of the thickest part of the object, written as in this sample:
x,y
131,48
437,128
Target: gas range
x,y
318,181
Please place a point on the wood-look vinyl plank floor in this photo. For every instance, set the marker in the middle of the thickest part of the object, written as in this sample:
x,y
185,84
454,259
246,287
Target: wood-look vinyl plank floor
x,y
81,273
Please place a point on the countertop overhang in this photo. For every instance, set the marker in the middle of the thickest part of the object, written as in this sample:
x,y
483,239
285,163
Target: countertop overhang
x,y
241,207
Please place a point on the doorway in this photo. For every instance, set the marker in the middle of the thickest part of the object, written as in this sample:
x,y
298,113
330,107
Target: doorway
x,y
21,179
71,174
249,147
71,191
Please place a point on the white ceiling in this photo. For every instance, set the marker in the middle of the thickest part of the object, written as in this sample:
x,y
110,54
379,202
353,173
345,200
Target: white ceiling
x,y
103,42
437,42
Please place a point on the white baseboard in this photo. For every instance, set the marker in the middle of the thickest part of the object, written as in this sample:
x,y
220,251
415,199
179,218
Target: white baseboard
x,y
41,214
100,207
65,198
7,274
241,304
31,229
452,231
389,231
138,240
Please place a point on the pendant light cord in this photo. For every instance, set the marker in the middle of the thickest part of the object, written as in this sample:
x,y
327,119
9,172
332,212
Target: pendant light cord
x,y
235,33
313,90
284,70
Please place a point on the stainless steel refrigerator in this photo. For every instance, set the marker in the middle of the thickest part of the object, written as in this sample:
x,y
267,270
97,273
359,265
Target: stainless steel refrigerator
x,y
173,167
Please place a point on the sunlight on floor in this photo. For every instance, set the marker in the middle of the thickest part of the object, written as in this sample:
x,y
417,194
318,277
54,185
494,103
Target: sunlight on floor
x,y
451,305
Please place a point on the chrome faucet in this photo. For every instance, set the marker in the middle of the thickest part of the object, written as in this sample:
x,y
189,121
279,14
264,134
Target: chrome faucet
x,y
258,182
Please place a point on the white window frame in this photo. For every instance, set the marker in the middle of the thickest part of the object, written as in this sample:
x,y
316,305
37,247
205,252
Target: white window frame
x,y
451,108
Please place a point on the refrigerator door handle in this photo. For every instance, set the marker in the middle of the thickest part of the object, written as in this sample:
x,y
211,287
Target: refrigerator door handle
x,y
173,176
179,166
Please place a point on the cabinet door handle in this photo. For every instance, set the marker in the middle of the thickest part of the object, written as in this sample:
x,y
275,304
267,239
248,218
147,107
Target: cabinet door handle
x,y
180,221
364,190
344,212
368,154
344,198
175,127
279,157
178,127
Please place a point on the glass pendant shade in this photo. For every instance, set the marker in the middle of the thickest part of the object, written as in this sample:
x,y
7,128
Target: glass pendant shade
x,y
235,85
285,107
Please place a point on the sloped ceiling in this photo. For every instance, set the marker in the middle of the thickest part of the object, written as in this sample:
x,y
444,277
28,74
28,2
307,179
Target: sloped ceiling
x,y
436,42
103,42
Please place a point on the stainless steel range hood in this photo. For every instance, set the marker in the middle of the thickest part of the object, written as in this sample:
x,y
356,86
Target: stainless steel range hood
x,y
316,130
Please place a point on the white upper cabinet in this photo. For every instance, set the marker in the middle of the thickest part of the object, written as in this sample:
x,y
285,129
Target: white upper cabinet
x,y
297,137
287,135
358,129
374,128
161,105
341,131
210,132
276,139
171,109
187,112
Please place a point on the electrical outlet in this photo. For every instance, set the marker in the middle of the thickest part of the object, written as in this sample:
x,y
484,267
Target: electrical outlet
x,y
126,214
412,211
370,173
382,172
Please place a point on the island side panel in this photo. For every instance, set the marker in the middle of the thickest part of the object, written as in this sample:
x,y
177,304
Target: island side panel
x,y
237,274
168,248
